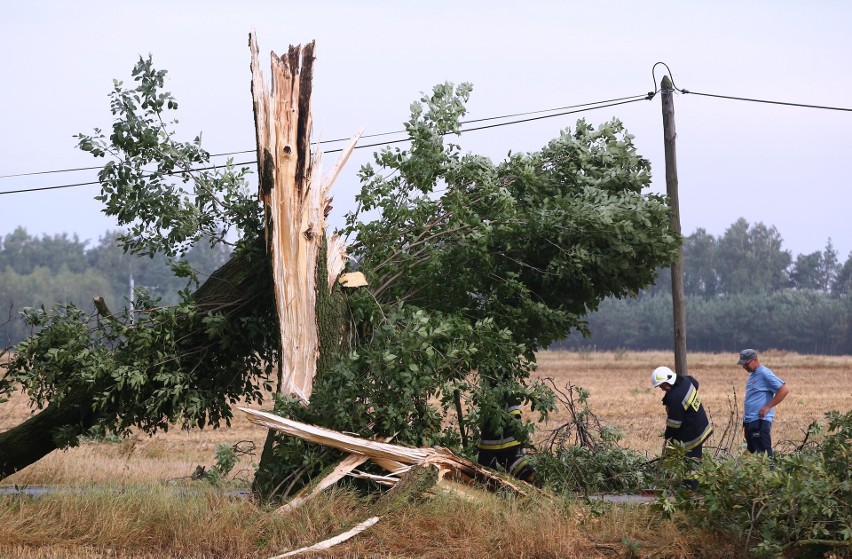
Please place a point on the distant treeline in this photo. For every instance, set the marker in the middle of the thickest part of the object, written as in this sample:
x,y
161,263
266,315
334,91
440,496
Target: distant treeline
x,y
742,290
58,269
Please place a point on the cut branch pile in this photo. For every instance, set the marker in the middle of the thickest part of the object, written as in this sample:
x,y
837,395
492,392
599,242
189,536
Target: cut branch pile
x,y
411,471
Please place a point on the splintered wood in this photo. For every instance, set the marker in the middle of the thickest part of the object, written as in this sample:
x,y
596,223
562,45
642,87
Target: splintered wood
x,y
296,203
395,459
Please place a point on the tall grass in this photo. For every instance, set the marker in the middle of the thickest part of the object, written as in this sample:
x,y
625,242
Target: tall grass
x,y
159,521
147,522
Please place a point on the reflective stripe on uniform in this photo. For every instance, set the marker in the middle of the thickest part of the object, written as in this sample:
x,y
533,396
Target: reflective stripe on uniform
x,y
689,445
497,444
673,423
516,466
690,397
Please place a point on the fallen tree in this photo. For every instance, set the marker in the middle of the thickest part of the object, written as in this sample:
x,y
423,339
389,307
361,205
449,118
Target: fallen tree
x,y
472,267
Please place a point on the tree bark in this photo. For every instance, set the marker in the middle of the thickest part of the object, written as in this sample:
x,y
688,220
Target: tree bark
x,y
33,439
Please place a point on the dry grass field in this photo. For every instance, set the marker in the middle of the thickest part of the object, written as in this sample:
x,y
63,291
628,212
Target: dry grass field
x,y
621,393
621,396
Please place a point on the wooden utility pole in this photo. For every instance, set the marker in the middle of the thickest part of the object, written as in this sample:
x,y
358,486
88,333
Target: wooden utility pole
x,y
678,309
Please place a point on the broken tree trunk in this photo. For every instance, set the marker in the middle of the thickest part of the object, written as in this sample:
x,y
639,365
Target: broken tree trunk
x,y
33,439
296,203
305,260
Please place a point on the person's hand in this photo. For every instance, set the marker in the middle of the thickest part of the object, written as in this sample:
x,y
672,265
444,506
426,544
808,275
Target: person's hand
x,y
762,412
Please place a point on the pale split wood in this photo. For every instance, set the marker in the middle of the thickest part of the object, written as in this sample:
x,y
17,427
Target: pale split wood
x,y
345,466
352,279
335,258
336,250
335,439
391,457
296,202
331,542
388,481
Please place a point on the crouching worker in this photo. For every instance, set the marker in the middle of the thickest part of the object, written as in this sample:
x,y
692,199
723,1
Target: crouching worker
x,y
502,448
686,420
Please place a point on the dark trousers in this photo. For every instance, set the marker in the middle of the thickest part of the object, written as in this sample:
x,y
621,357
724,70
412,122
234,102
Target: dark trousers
x,y
694,458
759,436
510,460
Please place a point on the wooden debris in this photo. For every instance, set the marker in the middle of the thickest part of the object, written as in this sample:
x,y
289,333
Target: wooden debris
x,y
391,457
337,473
326,544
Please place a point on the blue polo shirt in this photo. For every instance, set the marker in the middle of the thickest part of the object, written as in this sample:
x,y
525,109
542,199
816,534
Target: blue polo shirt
x,y
761,386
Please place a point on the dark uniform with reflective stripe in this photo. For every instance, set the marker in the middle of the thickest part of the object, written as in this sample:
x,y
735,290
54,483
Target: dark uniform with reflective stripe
x,y
686,421
502,450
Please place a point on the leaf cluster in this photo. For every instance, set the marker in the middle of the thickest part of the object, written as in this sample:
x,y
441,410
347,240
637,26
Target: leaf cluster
x,y
148,368
151,365
161,188
533,242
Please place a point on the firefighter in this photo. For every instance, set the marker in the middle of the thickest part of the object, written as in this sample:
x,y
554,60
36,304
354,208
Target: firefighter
x,y
500,447
686,420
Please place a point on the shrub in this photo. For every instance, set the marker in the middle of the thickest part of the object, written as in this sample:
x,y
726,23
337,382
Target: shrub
x,y
800,506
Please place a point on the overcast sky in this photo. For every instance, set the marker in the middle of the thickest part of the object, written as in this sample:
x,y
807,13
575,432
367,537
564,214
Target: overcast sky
x,y
783,166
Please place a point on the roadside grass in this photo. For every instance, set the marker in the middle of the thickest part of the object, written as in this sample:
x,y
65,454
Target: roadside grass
x,y
153,521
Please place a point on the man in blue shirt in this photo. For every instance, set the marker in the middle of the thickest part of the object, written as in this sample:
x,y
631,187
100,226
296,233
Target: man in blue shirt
x,y
763,392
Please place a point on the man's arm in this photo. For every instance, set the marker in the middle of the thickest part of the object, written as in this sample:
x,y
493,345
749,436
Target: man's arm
x,y
777,399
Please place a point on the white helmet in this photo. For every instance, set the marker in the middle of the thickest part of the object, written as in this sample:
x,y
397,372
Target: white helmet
x,y
661,375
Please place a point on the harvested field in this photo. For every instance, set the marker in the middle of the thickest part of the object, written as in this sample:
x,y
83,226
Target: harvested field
x,y
621,393
621,396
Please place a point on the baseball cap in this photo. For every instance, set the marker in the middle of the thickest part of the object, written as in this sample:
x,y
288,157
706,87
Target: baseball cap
x,y
747,355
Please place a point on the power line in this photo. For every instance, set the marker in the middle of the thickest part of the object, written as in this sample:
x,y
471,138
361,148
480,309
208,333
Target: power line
x,y
336,140
584,107
562,111
60,186
788,104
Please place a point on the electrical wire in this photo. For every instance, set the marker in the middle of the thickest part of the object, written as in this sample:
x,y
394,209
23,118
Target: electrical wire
x,y
785,103
584,107
336,140
562,112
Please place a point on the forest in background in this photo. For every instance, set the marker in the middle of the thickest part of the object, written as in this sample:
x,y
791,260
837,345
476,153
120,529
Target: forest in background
x,y
742,289
53,270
